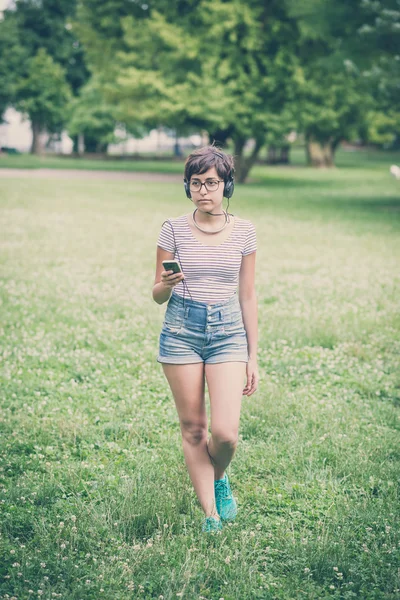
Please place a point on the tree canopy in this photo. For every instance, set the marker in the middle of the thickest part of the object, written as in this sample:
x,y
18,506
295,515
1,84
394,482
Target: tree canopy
x,y
43,94
242,71
36,37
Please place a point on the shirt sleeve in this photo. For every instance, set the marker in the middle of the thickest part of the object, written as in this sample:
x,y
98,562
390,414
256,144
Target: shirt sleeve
x,y
251,240
166,238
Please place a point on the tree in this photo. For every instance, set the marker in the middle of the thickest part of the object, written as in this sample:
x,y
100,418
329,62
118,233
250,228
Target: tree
x,y
240,70
12,58
92,117
43,95
219,66
337,95
381,35
279,129
254,64
332,107
47,24
27,29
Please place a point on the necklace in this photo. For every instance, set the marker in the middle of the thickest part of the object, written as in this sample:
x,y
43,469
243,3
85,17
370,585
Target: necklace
x,y
211,232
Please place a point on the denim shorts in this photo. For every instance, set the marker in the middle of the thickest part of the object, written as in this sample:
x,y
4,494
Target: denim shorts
x,y
195,332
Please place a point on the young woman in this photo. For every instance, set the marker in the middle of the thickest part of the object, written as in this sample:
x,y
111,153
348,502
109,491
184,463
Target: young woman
x,y
213,334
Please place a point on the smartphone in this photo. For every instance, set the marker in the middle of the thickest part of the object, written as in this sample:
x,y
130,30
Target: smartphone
x,y
172,265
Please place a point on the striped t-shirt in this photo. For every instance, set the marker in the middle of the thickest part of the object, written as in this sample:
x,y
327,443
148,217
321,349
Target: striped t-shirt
x,y
211,272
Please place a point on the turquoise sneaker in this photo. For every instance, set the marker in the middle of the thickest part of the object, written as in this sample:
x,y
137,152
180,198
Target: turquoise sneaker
x,y
211,524
226,503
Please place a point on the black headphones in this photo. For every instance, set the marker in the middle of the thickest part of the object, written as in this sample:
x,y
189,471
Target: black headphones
x,y
229,184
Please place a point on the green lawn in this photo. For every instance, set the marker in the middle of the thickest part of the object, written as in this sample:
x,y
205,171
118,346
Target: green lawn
x,y
27,161
95,499
368,158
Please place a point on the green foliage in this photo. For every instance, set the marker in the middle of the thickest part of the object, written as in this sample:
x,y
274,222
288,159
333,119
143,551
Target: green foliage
x,y
99,26
92,116
239,70
350,56
44,92
253,62
29,31
383,128
333,97
12,62
47,24
332,106
246,70
220,66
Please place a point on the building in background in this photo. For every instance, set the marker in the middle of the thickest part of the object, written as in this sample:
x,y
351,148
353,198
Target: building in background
x,y
16,133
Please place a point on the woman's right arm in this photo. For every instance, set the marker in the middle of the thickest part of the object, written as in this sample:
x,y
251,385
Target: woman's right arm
x,y
163,283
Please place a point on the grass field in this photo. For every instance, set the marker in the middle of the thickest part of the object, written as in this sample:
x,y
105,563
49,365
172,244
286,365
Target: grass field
x,y
369,158
95,499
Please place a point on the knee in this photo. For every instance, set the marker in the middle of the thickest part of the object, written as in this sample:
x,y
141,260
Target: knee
x,y
225,437
193,433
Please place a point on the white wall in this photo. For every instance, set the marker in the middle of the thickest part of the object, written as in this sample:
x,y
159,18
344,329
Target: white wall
x,y
157,140
16,133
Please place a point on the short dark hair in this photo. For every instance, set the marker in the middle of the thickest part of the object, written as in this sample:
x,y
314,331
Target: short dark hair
x,y
202,159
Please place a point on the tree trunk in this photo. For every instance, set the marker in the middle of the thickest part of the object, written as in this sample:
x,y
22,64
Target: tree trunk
x,y
278,155
74,139
101,148
335,144
239,144
271,157
320,154
244,164
159,133
81,144
177,147
37,142
284,157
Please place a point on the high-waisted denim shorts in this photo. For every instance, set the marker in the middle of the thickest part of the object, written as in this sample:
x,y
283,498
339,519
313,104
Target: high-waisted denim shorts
x,y
195,332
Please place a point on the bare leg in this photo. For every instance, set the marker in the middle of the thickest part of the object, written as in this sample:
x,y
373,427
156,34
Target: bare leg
x,y
225,382
187,386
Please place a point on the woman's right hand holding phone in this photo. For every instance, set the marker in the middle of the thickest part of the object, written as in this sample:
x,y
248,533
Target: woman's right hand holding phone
x,y
171,279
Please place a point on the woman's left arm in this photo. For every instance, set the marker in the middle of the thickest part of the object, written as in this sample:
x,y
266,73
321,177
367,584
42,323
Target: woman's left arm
x,y
248,304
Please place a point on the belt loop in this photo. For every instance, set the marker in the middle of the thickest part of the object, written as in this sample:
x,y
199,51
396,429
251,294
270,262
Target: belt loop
x,y
225,313
186,312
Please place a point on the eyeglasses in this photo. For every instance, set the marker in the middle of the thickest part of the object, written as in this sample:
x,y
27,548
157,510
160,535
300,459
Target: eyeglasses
x,y
211,186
